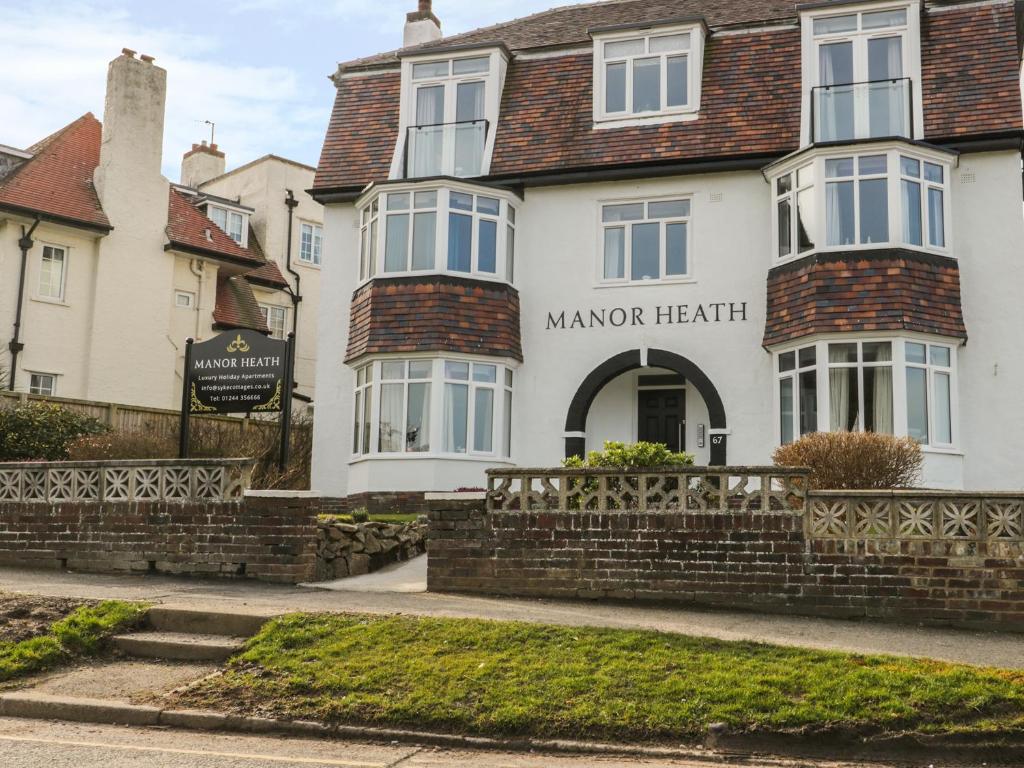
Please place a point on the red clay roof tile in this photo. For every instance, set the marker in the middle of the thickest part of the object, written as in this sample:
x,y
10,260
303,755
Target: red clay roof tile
x,y
237,306
189,229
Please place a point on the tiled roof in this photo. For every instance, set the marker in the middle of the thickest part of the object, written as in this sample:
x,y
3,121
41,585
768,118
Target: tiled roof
x,y
189,229
452,315
237,306
269,274
568,25
58,180
750,102
890,289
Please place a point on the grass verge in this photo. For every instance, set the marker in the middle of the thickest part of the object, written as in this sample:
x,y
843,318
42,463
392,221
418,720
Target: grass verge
x,y
81,633
502,678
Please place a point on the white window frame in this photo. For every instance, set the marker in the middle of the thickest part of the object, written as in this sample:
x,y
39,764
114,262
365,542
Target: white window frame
x,y
493,79
189,300
911,34
51,249
627,279
37,389
404,383
794,375
368,383
313,255
694,66
899,381
933,371
229,212
373,250
816,159
860,366
269,310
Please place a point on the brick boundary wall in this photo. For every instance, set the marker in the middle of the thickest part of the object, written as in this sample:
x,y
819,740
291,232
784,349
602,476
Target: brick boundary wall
x,y
828,554
263,536
377,503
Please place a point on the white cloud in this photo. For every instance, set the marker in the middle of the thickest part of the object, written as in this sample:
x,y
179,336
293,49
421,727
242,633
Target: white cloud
x,y
54,59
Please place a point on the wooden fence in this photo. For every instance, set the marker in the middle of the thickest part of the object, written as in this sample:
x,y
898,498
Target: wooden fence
x,y
132,418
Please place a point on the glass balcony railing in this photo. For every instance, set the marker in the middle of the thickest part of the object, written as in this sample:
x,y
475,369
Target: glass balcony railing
x,y
445,149
869,110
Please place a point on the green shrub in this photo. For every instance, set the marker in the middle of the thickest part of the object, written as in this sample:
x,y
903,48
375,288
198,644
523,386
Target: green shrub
x,y
42,431
360,515
842,461
112,446
629,456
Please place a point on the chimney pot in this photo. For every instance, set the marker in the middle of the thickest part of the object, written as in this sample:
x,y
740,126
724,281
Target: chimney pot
x,y
425,6
146,58
128,52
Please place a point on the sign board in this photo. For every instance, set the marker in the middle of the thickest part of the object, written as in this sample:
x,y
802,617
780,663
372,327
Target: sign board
x,y
238,372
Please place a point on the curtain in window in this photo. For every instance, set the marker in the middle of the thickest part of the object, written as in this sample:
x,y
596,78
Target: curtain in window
x,y
417,431
391,427
887,100
835,104
839,225
428,135
456,416
882,406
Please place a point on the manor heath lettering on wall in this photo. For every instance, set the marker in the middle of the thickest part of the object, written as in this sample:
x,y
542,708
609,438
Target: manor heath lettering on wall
x,y
668,314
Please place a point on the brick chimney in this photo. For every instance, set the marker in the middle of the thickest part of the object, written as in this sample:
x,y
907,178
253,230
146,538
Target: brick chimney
x,y
421,26
200,164
128,175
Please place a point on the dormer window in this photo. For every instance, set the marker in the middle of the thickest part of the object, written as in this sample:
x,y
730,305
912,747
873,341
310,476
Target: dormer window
x,y
232,223
862,67
638,76
448,108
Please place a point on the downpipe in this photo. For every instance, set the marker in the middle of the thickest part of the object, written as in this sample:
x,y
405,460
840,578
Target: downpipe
x,y
25,243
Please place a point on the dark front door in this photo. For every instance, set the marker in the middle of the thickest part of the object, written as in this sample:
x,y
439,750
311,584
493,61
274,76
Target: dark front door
x,y
662,417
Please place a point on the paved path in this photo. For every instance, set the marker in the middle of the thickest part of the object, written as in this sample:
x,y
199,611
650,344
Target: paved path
x,y
39,744
410,576
990,649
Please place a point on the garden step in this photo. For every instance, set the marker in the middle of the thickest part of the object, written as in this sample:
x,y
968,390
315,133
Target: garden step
x,y
164,618
178,646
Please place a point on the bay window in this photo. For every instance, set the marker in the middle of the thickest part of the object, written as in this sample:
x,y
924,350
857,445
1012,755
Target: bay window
x,y
640,75
888,385
645,241
437,230
930,393
798,393
433,406
884,196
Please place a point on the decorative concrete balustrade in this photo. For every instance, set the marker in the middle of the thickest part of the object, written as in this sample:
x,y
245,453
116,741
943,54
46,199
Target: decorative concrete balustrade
x,y
661,489
147,480
916,515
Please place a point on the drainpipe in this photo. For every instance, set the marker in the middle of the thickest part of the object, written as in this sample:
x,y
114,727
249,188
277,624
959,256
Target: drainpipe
x,y
296,295
25,243
198,269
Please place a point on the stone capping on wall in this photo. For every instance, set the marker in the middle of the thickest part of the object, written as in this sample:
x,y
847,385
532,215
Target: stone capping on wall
x,y
135,480
657,488
917,515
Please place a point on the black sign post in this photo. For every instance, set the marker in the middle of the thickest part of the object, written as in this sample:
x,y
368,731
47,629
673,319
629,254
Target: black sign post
x,y
238,372
286,415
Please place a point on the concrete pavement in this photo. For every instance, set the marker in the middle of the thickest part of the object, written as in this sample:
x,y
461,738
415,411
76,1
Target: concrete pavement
x,y
41,744
969,647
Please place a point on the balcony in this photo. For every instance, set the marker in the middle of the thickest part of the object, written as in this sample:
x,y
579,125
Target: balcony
x,y
446,149
868,110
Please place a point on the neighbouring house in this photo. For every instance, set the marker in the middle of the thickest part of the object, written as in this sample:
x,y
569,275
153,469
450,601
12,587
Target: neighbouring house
x,y
714,225
107,267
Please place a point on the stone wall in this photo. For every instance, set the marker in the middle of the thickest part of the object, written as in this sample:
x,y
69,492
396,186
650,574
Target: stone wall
x,y
344,549
172,517
737,538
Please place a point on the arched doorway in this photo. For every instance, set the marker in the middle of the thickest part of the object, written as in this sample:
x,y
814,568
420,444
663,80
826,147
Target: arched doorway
x,y
579,409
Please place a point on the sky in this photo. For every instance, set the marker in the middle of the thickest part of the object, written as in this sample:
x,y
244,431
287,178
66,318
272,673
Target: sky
x,y
256,68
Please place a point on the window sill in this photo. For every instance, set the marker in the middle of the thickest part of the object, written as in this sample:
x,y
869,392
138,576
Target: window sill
x,y
431,456
945,253
648,283
942,451
307,264
484,277
633,121
52,302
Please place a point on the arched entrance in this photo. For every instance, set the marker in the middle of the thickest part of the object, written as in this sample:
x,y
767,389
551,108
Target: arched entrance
x,y
576,421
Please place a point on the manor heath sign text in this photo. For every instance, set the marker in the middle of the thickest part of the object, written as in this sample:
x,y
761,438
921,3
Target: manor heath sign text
x,y
668,314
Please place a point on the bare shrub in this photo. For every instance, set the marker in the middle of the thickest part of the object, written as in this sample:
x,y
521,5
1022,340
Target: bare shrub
x,y
842,461
214,440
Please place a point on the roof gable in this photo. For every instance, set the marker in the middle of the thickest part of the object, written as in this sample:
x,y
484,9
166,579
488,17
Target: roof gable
x,y
58,180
